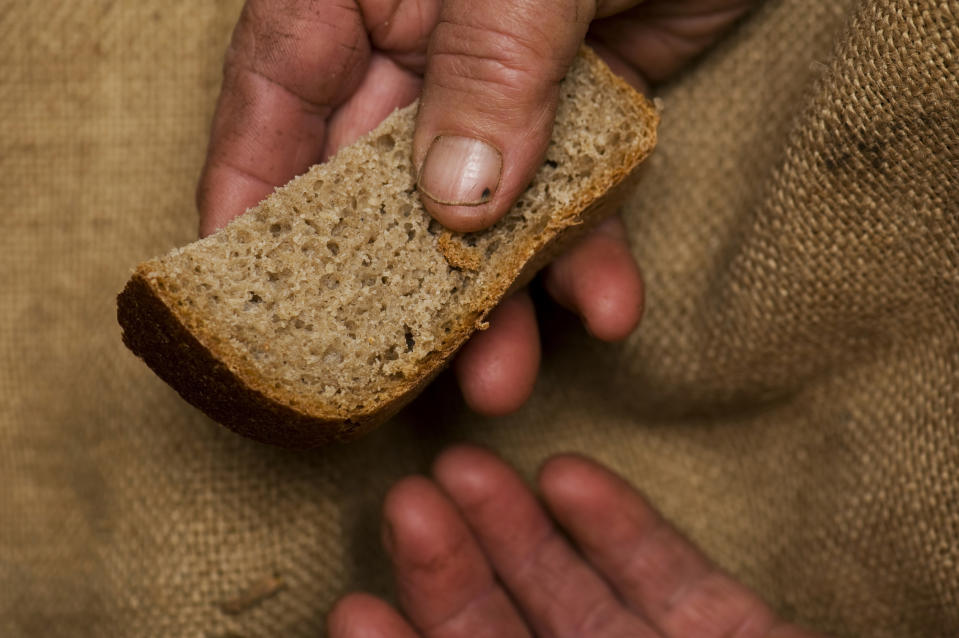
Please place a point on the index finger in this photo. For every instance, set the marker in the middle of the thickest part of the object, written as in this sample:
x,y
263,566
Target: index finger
x,y
290,62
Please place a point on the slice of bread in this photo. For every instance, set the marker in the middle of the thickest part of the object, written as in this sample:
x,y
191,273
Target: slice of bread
x,y
323,310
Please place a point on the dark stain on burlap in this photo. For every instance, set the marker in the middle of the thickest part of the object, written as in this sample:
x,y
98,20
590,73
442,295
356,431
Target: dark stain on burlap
x,y
790,400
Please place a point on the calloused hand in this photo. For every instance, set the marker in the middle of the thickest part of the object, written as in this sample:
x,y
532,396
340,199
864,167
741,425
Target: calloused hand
x,y
304,77
475,554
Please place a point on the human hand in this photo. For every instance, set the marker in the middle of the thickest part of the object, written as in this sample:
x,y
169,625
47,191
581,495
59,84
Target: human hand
x,y
305,77
475,554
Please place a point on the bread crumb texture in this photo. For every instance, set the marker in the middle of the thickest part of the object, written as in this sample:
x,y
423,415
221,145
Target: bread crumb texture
x,y
337,292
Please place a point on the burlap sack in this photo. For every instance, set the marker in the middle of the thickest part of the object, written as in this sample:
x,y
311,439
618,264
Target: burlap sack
x,y
790,400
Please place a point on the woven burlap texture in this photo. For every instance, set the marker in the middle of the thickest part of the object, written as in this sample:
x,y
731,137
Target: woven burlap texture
x,y
789,401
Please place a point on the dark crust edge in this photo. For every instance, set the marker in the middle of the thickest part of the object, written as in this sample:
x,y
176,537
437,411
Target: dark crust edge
x,y
153,332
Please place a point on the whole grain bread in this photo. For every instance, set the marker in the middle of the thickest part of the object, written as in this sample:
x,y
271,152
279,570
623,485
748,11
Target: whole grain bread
x,y
324,309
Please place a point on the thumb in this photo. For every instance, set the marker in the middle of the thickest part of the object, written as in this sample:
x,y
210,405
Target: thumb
x,y
489,99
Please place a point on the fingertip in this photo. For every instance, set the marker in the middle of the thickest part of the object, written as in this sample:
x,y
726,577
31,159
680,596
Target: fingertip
x,y
574,483
497,368
421,528
600,280
565,475
407,507
580,491
346,607
613,306
360,615
481,484
466,469
459,181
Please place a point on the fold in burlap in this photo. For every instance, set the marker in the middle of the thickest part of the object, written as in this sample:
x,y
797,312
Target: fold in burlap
x,y
790,400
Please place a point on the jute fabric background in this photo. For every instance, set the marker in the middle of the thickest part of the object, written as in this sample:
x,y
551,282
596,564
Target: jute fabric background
x,y
790,399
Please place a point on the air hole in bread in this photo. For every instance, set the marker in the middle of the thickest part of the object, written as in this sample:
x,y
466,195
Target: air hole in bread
x,y
385,142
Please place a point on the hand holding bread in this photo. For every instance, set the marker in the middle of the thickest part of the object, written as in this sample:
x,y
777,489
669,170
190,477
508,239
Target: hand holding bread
x,y
325,308
305,78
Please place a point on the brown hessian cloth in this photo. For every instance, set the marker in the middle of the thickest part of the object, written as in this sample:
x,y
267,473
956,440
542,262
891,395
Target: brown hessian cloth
x,y
790,400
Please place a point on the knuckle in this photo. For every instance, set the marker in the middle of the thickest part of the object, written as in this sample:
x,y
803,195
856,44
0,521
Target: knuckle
x,y
506,56
659,563
434,559
600,619
568,606
402,26
544,563
287,42
487,58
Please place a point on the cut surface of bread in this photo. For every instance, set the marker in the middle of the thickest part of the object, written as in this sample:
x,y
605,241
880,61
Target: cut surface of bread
x,y
318,313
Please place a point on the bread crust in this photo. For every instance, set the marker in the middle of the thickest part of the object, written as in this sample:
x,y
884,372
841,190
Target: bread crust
x,y
206,373
155,333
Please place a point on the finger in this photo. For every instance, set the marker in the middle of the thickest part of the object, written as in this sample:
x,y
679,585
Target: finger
x,y
385,87
489,99
365,616
558,593
657,38
496,369
401,29
599,279
399,32
619,66
444,582
289,63
651,565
